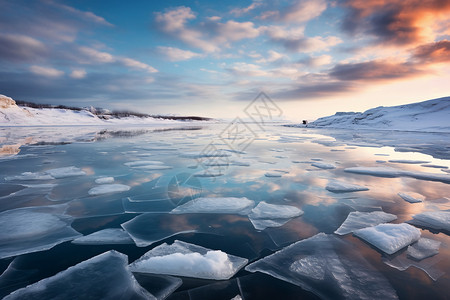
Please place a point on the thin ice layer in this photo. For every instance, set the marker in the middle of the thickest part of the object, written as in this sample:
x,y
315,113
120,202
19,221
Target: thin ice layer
x,y
225,205
107,236
328,267
358,220
439,220
343,187
389,238
265,210
105,276
108,189
423,248
26,230
104,180
188,260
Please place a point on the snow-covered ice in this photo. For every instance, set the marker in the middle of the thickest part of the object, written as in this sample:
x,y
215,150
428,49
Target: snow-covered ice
x,y
108,189
188,260
423,248
104,180
409,198
343,187
225,205
105,276
328,267
107,236
358,220
389,238
324,166
433,219
26,230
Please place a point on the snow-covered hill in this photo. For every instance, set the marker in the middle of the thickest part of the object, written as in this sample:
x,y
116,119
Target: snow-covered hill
x,y
431,116
13,115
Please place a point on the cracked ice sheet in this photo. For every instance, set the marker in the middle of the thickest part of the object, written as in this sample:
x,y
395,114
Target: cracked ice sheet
x,y
188,260
107,236
389,238
358,220
225,205
105,276
27,230
328,267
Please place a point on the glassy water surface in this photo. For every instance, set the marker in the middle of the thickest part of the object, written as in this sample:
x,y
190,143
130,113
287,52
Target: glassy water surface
x,y
57,184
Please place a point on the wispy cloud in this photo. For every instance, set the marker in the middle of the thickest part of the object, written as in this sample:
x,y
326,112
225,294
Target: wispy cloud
x,y
46,71
176,54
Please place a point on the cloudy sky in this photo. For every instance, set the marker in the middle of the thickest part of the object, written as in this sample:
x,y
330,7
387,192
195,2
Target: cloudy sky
x,y
212,58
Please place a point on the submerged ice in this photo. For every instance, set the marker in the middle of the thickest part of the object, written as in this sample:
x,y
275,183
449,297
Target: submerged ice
x,y
272,215
106,236
423,248
188,260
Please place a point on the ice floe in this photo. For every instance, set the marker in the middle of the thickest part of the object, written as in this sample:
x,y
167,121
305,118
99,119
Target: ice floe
x,y
392,172
423,248
409,198
188,260
439,220
225,205
273,174
343,187
324,166
389,238
213,154
26,230
139,163
104,180
49,174
105,276
358,220
107,236
108,189
272,215
434,166
408,161
328,267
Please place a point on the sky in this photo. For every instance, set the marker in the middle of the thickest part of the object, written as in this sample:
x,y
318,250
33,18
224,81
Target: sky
x,y
212,58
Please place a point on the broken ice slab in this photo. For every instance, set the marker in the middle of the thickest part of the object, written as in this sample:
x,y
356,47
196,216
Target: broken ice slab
x,y
109,236
27,230
227,289
188,260
410,198
357,220
393,173
108,189
147,229
273,174
49,174
431,266
324,166
328,267
104,180
225,205
105,276
343,187
423,248
439,220
266,215
139,163
389,238
265,210
409,161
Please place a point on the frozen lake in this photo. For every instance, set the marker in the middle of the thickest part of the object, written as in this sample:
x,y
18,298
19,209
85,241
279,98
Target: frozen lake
x,y
219,213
